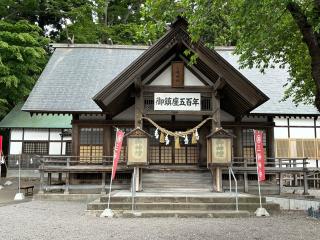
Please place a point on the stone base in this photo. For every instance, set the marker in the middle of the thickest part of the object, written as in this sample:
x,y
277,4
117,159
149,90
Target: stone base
x,y
19,197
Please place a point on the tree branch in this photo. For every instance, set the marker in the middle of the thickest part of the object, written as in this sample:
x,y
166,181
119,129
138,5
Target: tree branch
x,y
317,5
311,40
305,27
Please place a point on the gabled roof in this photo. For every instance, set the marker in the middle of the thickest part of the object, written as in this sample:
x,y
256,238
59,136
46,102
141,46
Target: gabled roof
x,y
19,119
240,95
77,72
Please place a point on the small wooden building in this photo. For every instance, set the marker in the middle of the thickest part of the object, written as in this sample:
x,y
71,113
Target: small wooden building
x,y
108,86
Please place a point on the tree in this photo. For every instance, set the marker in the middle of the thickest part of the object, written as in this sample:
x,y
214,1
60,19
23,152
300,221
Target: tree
x,y
267,33
124,25
49,15
22,58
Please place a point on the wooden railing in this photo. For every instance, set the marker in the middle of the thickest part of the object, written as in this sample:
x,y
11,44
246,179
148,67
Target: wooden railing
x,y
77,160
238,162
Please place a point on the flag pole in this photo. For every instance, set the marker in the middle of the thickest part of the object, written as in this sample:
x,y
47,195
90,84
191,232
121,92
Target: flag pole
x,y
111,178
116,154
260,211
109,199
255,150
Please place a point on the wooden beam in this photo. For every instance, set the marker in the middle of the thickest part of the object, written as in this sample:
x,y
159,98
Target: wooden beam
x,y
220,83
156,72
195,113
188,89
139,104
114,89
196,71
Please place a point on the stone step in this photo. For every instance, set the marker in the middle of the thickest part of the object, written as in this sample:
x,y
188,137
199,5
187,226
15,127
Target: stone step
x,y
175,185
178,214
251,207
174,176
181,181
253,199
178,189
176,179
191,180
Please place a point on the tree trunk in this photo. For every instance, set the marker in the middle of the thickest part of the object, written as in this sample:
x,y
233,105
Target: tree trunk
x,y
311,38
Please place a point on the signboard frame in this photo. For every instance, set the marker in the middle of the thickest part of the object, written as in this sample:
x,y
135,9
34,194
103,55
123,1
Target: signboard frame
x,y
137,133
212,139
177,101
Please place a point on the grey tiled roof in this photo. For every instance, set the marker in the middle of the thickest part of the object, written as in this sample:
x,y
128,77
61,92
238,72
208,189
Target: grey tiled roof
x,y
271,83
75,74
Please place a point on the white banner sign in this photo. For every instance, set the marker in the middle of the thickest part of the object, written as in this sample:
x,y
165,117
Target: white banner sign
x,y
177,101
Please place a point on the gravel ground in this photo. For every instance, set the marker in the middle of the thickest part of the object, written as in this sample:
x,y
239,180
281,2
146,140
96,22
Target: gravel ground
x,y
67,220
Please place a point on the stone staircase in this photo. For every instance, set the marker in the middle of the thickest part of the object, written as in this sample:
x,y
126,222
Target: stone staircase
x,y
201,204
178,193
176,181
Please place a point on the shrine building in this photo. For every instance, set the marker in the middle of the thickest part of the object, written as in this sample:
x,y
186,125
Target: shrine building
x,y
87,91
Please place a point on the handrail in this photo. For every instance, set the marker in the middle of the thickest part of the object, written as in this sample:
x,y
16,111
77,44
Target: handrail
x,y
236,184
270,162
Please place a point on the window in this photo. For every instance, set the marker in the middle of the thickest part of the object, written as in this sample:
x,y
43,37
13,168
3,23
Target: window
x,y
41,148
124,148
248,144
91,145
297,148
68,148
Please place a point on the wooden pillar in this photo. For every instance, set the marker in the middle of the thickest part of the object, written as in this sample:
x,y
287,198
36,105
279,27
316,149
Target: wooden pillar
x,y
203,133
60,178
41,188
138,112
66,189
280,183
239,152
75,136
103,183
305,178
107,151
216,123
49,178
107,141
270,139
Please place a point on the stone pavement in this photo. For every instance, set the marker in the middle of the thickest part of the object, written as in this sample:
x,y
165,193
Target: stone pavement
x,y
67,220
8,192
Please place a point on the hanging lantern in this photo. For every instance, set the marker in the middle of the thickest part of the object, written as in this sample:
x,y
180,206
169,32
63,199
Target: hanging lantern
x,y
186,140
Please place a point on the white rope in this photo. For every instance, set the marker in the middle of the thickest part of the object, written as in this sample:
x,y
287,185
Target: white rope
x,y
178,134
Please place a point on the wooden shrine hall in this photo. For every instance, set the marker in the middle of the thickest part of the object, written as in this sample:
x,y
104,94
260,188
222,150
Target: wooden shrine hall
x,y
161,91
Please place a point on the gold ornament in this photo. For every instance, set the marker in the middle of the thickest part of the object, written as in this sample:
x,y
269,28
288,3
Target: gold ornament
x,y
161,138
194,138
176,142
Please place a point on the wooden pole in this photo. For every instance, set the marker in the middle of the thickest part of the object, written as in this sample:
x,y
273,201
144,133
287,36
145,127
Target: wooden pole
x,y
216,123
138,111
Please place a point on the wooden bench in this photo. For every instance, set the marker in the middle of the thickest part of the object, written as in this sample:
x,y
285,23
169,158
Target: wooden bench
x,y
26,189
